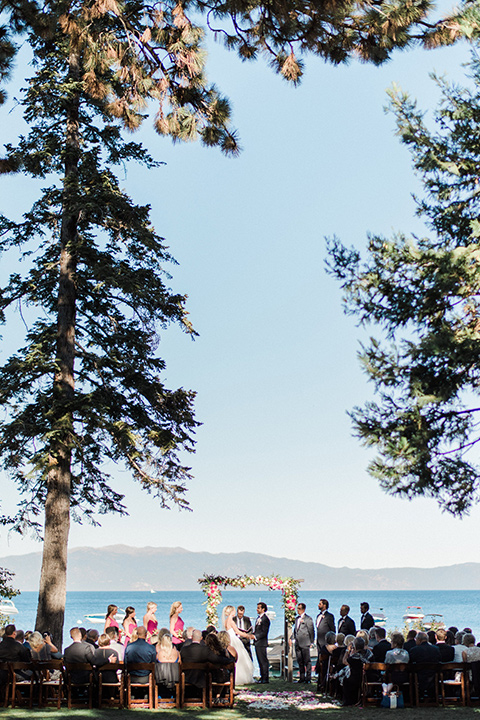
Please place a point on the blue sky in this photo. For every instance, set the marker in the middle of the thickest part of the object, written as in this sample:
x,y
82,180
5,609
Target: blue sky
x,y
277,469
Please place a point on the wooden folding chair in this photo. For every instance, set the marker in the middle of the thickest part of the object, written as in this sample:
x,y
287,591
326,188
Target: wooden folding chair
x,y
18,684
372,679
458,682
133,686
5,683
200,699
400,674
426,675
79,681
223,690
50,675
111,693
472,682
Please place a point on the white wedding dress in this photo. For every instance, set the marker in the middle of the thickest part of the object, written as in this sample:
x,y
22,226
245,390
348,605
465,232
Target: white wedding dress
x,y
244,664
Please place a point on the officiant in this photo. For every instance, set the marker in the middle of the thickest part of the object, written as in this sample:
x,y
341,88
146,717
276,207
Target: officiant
x,y
244,623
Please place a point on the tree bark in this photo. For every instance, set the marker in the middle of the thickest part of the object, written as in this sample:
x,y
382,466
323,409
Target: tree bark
x,y
53,578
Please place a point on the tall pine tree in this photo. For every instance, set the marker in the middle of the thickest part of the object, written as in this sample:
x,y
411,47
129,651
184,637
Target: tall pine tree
x,y
424,295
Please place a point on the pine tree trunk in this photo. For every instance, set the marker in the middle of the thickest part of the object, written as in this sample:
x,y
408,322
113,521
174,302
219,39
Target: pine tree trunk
x,y
53,578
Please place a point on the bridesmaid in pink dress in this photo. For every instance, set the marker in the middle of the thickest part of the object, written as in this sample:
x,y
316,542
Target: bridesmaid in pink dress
x,y
150,621
176,624
110,619
129,623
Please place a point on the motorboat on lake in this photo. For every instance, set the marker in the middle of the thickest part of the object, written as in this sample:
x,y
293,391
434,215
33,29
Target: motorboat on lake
x,y
98,618
433,620
413,613
379,617
7,607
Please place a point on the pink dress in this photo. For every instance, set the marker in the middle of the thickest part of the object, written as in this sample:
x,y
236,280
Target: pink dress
x,y
152,626
178,627
128,632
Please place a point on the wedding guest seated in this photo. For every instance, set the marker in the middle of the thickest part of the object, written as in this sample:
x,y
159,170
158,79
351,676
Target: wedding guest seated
x,y
139,651
105,654
372,640
453,630
447,653
382,646
228,649
13,651
198,652
42,648
423,652
410,642
213,643
459,647
84,633
113,634
432,638
397,655
449,638
187,635
471,652
78,652
365,635
209,629
92,637
355,657
166,668
338,652
326,650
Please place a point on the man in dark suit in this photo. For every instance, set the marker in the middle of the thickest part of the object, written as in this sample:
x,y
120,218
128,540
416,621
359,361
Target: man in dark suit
x,y
198,652
382,647
11,650
447,652
78,652
244,623
140,651
325,622
303,635
346,624
262,626
423,652
366,621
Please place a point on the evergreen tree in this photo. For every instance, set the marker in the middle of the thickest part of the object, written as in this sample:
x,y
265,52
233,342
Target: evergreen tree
x,y
85,392
424,295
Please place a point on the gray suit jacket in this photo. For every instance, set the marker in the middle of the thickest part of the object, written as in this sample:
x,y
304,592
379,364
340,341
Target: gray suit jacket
x,y
303,631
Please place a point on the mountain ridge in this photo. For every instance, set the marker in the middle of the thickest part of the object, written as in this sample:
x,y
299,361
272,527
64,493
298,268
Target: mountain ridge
x,y
175,568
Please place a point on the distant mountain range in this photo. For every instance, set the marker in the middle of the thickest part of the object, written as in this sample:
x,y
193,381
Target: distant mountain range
x,y
121,567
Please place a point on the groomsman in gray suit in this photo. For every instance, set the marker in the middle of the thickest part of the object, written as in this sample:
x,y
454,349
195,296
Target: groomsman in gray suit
x,y
303,634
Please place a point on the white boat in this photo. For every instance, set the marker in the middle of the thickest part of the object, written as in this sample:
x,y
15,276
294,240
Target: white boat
x,y
99,618
433,620
413,613
270,613
379,617
7,607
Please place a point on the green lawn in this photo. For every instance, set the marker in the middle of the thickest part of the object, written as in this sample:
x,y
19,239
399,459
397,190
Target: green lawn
x,y
328,711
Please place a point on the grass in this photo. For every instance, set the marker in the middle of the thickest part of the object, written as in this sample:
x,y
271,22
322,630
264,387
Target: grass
x,y
241,711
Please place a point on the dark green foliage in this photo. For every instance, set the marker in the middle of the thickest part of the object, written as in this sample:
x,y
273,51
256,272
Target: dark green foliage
x,y
121,413
425,296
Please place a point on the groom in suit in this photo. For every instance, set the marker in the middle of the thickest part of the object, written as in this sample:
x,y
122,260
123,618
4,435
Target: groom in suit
x,y
244,623
262,625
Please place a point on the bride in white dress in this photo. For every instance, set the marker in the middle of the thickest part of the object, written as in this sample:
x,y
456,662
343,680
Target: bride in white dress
x,y
244,664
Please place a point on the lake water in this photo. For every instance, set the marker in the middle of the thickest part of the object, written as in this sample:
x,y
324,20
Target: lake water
x,y
458,607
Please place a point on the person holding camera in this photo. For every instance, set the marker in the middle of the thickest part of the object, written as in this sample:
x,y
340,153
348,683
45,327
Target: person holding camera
x,y
42,647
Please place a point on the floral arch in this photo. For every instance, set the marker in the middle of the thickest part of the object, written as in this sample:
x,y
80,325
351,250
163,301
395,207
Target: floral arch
x,y
212,587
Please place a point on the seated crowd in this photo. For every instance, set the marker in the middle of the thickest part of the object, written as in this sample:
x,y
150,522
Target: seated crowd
x,y
99,649
344,655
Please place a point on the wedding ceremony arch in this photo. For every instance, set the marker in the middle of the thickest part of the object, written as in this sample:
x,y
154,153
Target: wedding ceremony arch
x,y
212,587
